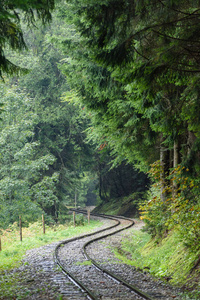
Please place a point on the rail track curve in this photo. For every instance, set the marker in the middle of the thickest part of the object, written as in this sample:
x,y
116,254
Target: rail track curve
x,y
95,281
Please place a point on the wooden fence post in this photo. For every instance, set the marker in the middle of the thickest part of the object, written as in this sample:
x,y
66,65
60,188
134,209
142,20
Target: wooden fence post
x,y
74,220
88,214
20,228
43,224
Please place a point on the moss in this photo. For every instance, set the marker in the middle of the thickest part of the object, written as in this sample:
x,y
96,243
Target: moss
x,y
125,206
83,263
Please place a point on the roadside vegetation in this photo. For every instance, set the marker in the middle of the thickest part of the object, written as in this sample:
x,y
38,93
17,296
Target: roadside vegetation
x,y
13,252
167,258
13,249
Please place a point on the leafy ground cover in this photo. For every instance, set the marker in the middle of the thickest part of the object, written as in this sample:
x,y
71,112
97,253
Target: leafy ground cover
x,y
168,259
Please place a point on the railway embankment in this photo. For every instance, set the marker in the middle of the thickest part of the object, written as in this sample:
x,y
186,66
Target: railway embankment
x,y
167,258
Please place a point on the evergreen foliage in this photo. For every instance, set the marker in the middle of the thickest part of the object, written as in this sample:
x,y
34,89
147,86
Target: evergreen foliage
x,y
67,170
56,136
137,76
21,164
126,73
11,15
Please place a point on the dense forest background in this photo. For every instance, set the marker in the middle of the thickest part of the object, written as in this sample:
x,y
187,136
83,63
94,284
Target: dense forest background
x,y
106,95
47,164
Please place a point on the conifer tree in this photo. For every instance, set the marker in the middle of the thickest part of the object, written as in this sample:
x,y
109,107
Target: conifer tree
x,y
11,35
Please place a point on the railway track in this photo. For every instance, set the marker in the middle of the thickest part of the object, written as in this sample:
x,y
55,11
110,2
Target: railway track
x,y
95,281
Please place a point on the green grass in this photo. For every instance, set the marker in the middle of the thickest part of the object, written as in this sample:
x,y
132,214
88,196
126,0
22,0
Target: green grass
x,y
13,250
167,259
11,285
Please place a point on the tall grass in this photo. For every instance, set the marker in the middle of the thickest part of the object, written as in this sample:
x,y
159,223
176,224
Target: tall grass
x,y
33,237
167,259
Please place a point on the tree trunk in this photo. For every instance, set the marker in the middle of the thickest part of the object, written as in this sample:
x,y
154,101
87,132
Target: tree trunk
x,y
162,169
190,141
175,164
100,182
175,154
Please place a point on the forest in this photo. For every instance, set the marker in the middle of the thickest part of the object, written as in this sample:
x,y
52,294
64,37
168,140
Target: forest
x,y
100,100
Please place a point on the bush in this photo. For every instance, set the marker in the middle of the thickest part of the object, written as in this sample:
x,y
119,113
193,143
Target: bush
x,y
179,209
79,219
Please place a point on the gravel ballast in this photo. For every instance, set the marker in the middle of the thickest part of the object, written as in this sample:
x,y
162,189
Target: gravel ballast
x,y
40,278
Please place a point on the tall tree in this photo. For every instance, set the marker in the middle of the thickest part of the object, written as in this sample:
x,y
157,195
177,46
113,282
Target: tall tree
x,y
112,112
137,66
58,127
21,163
148,48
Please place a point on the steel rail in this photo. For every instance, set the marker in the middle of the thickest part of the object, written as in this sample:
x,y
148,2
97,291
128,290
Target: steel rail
x,y
69,274
97,265
111,274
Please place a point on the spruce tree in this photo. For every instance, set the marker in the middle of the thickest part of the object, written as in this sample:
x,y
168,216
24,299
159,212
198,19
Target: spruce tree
x,y
11,14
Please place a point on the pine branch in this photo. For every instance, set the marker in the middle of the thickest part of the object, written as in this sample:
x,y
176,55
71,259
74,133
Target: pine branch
x,y
174,38
176,10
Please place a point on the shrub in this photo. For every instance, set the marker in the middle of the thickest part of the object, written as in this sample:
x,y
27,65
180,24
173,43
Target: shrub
x,y
180,208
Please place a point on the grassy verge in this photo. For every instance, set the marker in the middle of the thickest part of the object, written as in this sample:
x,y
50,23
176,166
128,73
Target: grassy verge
x,y
168,259
18,284
13,250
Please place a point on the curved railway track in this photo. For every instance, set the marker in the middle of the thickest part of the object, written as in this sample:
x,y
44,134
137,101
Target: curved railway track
x,y
95,281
